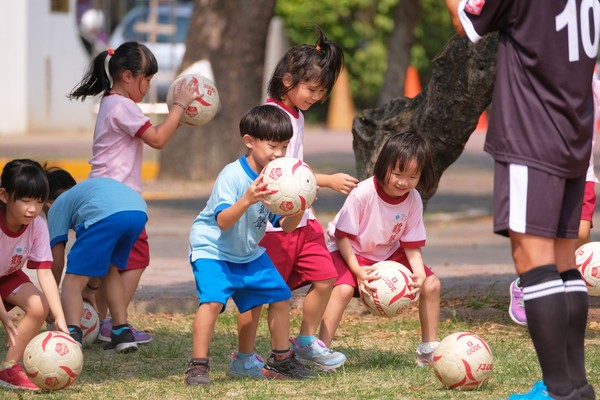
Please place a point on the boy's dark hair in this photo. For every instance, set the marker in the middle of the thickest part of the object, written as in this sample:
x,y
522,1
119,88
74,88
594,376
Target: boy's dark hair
x,y
132,56
59,181
321,62
23,178
399,150
267,122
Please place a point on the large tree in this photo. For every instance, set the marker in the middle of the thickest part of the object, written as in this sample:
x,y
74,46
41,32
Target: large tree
x,y
231,34
446,112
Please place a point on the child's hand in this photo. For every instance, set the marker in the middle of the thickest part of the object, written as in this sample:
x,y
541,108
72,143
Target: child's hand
x,y
61,325
185,91
8,320
343,183
364,279
257,191
416,283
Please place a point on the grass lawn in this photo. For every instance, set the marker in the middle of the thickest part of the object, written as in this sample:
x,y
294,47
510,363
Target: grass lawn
x,y
381,360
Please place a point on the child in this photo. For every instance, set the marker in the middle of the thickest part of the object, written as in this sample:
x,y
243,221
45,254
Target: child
x,y
228,262
107,217
382,219
24,240
303,76
516,309
123,77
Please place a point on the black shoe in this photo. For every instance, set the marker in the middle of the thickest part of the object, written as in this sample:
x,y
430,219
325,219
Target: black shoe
x,y
76,334
123,343
288,368
197,372
587,392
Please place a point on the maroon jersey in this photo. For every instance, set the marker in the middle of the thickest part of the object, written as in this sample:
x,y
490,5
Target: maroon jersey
x,y
542,109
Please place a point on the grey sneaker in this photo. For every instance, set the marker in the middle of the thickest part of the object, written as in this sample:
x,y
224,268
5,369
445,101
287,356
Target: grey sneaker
x,y
288,368
197,372
317,355
250,367
122,343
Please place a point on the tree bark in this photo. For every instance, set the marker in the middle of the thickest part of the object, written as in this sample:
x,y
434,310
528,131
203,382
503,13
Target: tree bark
x,y
446,112
401,40
231,34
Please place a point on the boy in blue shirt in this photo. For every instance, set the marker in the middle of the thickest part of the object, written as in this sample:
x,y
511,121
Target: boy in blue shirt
x,y
107,217
228,262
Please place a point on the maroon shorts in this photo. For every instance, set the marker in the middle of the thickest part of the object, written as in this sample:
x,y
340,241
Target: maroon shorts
x,y
301,256
10,283
346,277
140,253
589,201
534,202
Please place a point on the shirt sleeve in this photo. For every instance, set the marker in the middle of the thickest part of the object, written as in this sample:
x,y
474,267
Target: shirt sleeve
x,y
479,17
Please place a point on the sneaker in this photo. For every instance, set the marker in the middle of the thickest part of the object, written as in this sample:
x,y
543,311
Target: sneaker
x,y
15,378
516,310
197,372
317,355
587,392
288,368
538,391
250,367
106,329
122,343
425,353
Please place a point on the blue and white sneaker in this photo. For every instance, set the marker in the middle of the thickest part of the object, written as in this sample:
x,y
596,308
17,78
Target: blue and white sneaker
x,y
250,367
318,356
540,392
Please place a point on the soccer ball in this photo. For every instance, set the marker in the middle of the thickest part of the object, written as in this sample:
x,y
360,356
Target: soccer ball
x,y
90,324
463,361
292,184
587,258
53,360
201,110
391,295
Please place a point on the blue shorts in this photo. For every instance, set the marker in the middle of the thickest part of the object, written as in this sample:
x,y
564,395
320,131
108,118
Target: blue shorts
x,y
249,284
107,242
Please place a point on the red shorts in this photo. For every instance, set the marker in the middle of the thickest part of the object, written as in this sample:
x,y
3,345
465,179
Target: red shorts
x,y
140,253
346,277
10,283
301,256
589,201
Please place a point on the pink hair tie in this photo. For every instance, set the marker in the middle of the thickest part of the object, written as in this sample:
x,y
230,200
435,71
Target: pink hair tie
x,y
110,51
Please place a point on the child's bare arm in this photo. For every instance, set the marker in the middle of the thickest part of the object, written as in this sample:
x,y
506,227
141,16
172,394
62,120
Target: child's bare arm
x,y
363,274
50,289
340,182
415,259
453,8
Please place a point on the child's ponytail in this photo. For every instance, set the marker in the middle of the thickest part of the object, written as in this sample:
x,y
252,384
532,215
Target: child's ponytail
x,y
95,80
332,62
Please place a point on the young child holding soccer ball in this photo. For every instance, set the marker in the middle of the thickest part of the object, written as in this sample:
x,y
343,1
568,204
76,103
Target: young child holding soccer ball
x,y
382,219
107,217
24,242
122,77
227,261
302,77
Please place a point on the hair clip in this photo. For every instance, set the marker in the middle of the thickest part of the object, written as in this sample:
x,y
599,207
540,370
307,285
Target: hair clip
x,y
318,48
110,51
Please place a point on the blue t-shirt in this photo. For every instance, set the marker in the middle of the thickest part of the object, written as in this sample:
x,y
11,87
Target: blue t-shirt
x,y
238,244
89,202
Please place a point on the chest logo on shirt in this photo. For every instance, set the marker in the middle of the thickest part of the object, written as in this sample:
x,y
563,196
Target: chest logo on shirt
x,y
474,6
261,221
397,229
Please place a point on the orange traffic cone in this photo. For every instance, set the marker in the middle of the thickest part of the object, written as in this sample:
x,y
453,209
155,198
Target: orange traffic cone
x,y
412,84
483,122
341,106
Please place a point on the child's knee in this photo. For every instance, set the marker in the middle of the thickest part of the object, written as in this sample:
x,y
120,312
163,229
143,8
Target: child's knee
x,y
432,286
38,307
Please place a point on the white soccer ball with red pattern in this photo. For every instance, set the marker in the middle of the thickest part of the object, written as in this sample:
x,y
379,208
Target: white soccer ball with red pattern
x,y
53,360
391,296
202,109
90,324
587,258
463,361
292,184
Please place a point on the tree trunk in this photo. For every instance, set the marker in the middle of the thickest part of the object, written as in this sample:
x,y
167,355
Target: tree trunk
x,y
401,40
446,112
231,34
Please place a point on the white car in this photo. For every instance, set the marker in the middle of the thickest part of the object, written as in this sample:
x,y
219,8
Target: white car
x,y
168,46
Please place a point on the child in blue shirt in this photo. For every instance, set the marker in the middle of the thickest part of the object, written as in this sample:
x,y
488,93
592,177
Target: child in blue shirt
x,y
107,217
228,262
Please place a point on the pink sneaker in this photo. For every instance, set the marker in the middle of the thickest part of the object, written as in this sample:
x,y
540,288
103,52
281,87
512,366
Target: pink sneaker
x,y
516,310
15,378
106,329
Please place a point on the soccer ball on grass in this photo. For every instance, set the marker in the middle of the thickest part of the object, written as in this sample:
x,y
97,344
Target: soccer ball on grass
x,y
53,360
463,361
90,324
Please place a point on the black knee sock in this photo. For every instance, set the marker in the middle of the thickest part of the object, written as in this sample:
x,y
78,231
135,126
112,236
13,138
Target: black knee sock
x,y
547,321
578,304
